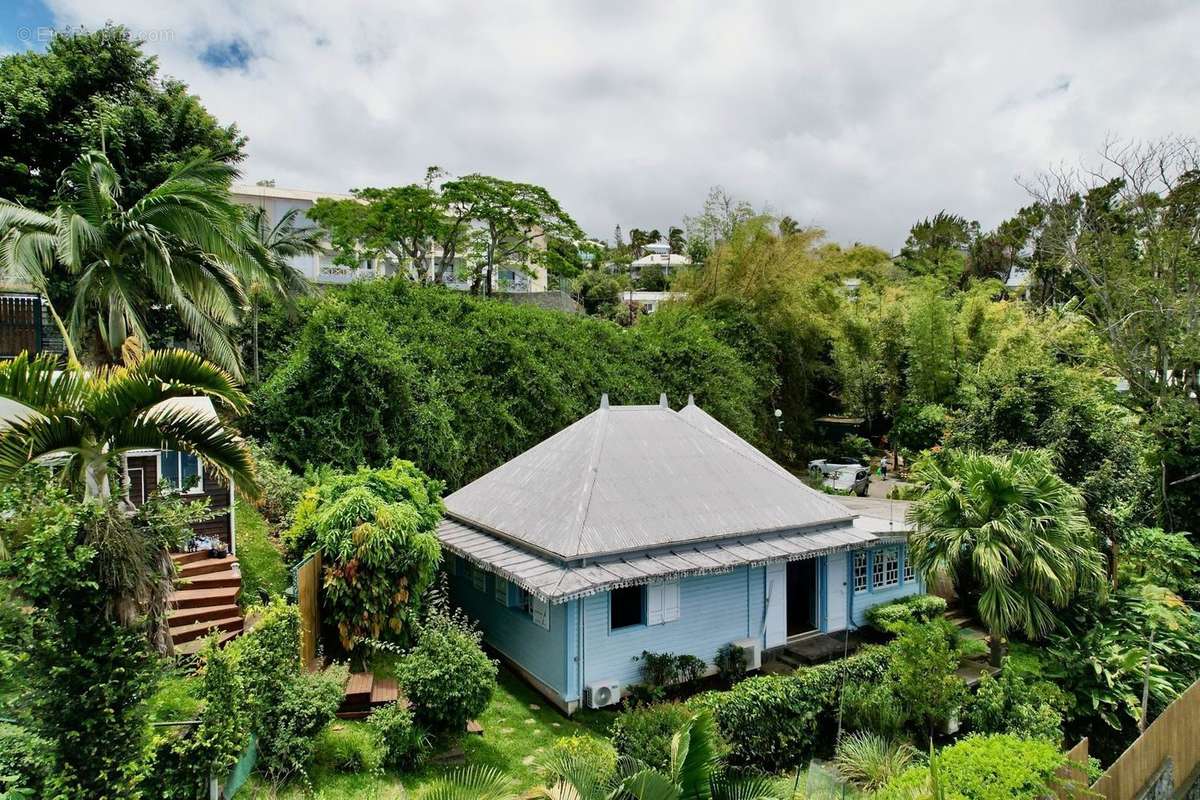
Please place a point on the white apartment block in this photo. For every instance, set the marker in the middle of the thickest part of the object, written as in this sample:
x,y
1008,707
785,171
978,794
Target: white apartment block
x,y
320,268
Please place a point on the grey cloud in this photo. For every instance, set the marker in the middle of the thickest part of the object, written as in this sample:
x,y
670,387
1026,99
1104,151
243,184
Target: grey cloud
x,y
860,117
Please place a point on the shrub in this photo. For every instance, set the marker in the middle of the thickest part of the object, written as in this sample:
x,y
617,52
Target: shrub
x,y
870,761
281,489
404,744
773,722
1030,710
286,707
891,617
996,767
375,532
447,676
348,747
731,663
184,759
875,708
645,733
923,668
25,760
660,670
598,755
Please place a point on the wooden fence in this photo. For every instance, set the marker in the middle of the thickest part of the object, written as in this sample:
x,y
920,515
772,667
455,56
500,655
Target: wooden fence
x,y
20,324
308,598
1175,735
1072,776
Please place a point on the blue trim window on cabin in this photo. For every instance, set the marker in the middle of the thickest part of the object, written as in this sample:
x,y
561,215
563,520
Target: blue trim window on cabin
x,y
860,571
181,471
886,572
910,570
626,607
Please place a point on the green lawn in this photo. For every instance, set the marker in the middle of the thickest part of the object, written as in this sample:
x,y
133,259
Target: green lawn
x,y
517,726
259,557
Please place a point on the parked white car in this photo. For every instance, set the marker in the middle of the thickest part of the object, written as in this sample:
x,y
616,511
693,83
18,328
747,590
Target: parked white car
x,y
828,466
855,480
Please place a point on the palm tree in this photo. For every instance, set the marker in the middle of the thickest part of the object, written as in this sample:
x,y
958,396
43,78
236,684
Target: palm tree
x,y
183,245
1009,531
275,244
90,420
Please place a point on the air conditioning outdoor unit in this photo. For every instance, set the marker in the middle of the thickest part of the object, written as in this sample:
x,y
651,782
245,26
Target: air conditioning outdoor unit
x,y
603,693
752,652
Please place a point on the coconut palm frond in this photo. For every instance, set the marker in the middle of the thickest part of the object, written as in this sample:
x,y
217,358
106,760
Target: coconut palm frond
x,y
191,432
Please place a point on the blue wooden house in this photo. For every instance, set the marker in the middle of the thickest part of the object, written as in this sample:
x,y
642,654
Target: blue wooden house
x,y
639,528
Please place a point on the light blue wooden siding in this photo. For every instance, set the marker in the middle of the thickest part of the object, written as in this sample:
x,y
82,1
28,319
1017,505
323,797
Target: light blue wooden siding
x,y
713,611
540,652
861,601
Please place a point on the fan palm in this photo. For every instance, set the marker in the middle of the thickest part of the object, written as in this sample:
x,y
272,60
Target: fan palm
x,y
91,418
1010,529
183,245
275,245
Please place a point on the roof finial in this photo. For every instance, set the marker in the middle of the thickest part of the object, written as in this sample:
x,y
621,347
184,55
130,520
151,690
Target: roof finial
x,y
662,399
691,400
604,400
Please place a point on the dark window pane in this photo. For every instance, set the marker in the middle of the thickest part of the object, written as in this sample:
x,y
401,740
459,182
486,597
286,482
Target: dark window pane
x,y
169,468
627,607
189,471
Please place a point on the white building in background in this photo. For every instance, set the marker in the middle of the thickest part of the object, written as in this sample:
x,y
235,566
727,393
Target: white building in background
x,y
320,268
650,301
658,255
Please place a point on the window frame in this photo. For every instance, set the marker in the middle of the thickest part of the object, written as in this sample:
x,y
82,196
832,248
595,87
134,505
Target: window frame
x,y
886,561
909,572
641,620
179,454
866,571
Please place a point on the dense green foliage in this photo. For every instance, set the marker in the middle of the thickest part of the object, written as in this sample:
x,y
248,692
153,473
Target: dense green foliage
x,y
287,706
894,616
404,744
446,675
774,722
922,670
1030,709
88,666
999,767
96,89
374,529
184,758
459,385
645,733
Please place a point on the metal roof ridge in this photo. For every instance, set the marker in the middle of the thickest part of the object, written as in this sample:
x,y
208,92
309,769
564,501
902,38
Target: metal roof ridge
x,y
774,469
589,479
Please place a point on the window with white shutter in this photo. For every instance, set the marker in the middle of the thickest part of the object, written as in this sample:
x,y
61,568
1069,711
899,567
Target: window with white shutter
x,y
662,603
478,579
500,591
539,612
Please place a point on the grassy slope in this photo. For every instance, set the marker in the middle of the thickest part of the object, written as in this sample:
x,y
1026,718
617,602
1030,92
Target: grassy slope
x,y
513,732
259,557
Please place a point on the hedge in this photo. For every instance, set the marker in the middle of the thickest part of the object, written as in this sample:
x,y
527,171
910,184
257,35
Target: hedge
x,y
891,617
998,767
774,722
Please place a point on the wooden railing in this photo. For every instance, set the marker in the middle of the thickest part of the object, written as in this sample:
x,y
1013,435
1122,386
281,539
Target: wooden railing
x,y
308,599
1174,735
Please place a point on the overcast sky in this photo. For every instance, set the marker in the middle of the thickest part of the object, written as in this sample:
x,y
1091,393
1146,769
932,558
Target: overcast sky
x,y
859,117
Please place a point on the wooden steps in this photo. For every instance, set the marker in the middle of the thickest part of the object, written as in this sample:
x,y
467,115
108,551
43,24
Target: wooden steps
x,y
365,693
204,601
